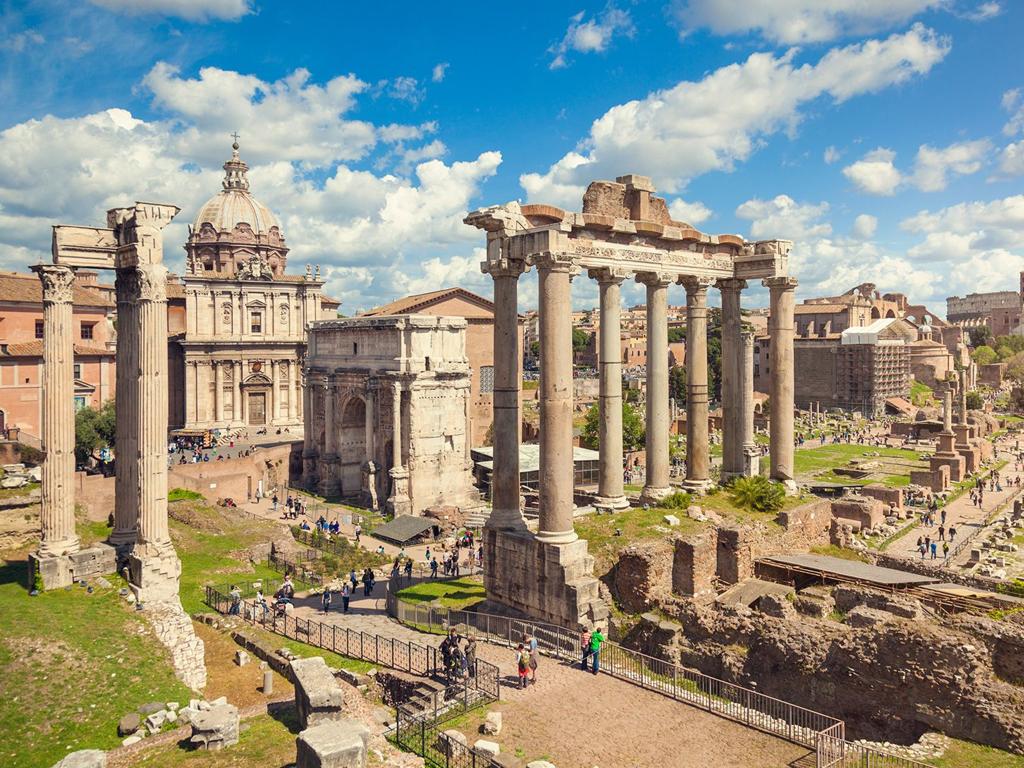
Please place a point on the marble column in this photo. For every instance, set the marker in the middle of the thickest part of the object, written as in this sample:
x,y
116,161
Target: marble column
x,y
750,456
275,395
657,485
947,410
698,462
506,513
330,431
293,395
732,362
557,471
236,395
780,329
399,501
126,451
57,512
218,390
154,536
963,397
610,494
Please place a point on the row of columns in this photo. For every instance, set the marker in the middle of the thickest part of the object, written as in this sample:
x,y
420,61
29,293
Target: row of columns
x,y
237,413
555,272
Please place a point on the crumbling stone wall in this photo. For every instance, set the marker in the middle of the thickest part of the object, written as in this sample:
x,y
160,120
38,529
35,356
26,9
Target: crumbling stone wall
x,y
694,565
642,575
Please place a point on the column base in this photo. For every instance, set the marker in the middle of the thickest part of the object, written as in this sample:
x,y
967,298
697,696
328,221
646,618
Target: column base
x,y
696,486
788,483
506,520
550,582
652,494
399,502
59,571
153,574
60,548
557,537
611,503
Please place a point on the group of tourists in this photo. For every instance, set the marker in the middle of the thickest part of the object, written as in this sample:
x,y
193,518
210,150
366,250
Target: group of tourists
x,y
457,661
590,647
293,507
526,660
347,589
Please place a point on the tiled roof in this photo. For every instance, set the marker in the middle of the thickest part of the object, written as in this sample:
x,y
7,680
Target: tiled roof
x,y
26,288
409,304
820,308
35,349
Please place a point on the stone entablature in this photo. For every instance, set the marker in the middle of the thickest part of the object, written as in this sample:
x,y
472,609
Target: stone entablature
x,y
387,403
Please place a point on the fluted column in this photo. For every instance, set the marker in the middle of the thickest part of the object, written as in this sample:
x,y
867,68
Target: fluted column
x,y
399,501
732,361
698,464
152,407
57,513
275,395
610,494
126,450
293,395
236,394
749,455
218,390
330,428
556,461
506,514
656,486
780,329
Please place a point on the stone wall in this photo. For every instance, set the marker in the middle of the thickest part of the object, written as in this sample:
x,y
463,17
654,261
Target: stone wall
x,y
236,478
643,573
19,520
694,565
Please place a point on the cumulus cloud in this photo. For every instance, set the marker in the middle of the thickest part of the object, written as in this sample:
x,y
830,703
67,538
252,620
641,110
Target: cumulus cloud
x,y
676,134
191,10
1011,159
783,217
362,227
877,174
591,35
791,22
864,226
439,71
693,213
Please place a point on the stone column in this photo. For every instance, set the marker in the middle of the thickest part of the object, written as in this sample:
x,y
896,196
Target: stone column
x,y
698,464
963,397
57,512
732,363
557,471
780,329
126,451
947,410
293,394
275,395
399,501
657,485
154,536
750,457
236,394
610,494
218,390
506,513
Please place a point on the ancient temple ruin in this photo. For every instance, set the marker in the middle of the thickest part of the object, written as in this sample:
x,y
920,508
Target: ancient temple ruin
x,y
623,231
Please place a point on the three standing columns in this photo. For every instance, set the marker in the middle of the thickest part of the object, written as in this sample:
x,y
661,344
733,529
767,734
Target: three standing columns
x,y
57,514
780,329
656,486
698,462
557,472
506,514
610,492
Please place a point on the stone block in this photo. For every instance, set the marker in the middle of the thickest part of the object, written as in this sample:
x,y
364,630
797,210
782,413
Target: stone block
x,y
129,724
890,497
642,575
446,740
215,728
150,708
156,720
868,511
506,760
671,520
318,695
694,562
862,616
84,758
487,748
241,658
334,744
540,764
491,724
53,572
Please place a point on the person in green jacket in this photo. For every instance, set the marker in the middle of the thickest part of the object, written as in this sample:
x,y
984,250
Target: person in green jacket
x,y
596,639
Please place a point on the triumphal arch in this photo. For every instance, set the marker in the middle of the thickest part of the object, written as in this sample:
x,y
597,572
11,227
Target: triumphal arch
x,y
622,232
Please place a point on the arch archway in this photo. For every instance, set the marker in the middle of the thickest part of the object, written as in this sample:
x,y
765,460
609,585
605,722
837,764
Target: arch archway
x,y
352,444
875,314
890,313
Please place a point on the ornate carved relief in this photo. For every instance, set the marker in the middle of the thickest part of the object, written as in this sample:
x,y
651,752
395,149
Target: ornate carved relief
x,y
58,283
152,282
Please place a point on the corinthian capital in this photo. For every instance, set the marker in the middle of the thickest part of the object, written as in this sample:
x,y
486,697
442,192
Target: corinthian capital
x,y
152,282
696,286
58,283
785,282
556,262
503,268
655,279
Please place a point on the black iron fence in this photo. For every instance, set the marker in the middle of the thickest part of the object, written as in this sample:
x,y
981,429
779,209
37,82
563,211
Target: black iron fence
x,y
425,735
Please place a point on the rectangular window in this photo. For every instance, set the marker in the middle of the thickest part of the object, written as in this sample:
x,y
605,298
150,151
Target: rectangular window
x,y
486,379
78,370
39,329
257,323
79,402
87,330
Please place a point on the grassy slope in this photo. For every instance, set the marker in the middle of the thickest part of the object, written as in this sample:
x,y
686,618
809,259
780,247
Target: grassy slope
x,y
966,754
457,593
636,525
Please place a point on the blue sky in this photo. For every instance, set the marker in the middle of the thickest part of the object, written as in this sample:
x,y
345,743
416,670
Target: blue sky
x,y
885,137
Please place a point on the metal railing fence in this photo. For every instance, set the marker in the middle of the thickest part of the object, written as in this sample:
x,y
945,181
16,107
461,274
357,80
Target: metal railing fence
x,y
424,735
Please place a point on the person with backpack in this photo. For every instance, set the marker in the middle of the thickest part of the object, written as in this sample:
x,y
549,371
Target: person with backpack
x,y
346,596
325,600
522,664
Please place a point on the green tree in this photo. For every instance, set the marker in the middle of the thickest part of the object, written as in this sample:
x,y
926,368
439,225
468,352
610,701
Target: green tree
x,y
94,429
984,355
1005,352
633,433
580,339
535,349
1015,368
677,385
979,336
675,335
974,400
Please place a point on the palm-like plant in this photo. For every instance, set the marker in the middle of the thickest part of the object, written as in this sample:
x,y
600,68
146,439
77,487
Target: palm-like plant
x,y
758,494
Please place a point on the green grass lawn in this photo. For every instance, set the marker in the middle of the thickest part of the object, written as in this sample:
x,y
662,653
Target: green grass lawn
x,y
71,664
966,754
636,524
457,593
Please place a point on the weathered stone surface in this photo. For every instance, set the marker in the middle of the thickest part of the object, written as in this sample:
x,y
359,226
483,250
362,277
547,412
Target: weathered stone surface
x,y
642,574
862,616
241,658
318,695
539,764
848,597
129,724
491,724
215,728
446,739
85,758
485,747
150,707
333,744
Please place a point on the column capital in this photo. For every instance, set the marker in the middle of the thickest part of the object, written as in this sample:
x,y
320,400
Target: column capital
x,y
731,284
556,262
747,336
58,282
152,282
503,268
695,284
785,282
607,275
655,279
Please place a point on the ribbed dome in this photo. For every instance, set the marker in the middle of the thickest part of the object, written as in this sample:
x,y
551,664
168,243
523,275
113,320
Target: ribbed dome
x,y
234,204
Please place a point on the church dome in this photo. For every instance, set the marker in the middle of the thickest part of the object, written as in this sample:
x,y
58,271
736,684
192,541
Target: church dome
x,y
234,204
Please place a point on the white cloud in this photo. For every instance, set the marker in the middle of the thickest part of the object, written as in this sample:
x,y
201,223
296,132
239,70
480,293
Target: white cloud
x,y
1014,104
404,89
192,10
831,155
687,130
693,213
875,173
591,35
783,217
1011,159
992,225
864,226
19,42
984,11
362,227
790,22
439,71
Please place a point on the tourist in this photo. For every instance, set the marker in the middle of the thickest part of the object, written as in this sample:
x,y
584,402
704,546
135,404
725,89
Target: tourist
x,y
596,639
346,595
408,569
359,532
325,600
584,647
531,645
942,533
353,578
433,568
273,503
935,549
945,550
236,601
921,549
455,564
451,640
261,601
952,533
522,664
471,656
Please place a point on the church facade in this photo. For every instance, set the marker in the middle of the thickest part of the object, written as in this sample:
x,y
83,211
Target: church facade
x,y
237,360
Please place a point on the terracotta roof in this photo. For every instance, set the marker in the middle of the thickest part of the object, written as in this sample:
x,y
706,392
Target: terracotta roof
x,y
409,304
820,308
26,288
329,302
35,349
175,288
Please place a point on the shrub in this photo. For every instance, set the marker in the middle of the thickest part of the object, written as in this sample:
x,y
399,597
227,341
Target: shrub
x,y
183,494
758,494
677,500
